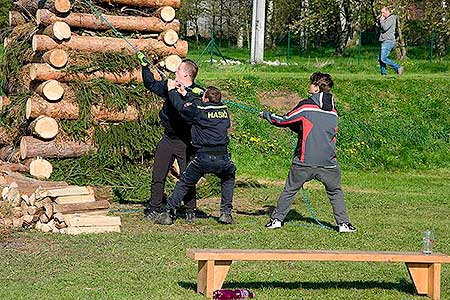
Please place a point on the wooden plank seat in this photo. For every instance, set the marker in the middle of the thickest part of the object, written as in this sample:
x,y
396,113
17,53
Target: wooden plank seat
x,y
213,264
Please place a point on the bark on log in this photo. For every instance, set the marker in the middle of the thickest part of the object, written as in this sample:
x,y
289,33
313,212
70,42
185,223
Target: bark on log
x,y
172,62
122,23
44,127
10,154
57,58
16,18
146,3
41,168
166,13
31,147
68,110
43,72
50,90
59,31
169,37
106,44
30,7
4,101
13,167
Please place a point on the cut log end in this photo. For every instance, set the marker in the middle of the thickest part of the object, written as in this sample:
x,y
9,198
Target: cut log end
x,y
44,127
28,109
51,90
57,58
170,37
172,62
62,6
59,30
166,13
41,168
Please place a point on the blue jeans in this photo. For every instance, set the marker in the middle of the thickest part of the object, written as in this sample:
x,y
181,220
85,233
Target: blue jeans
x,y
220,165
383,57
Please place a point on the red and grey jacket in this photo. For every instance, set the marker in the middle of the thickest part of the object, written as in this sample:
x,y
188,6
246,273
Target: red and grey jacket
x,y
315,121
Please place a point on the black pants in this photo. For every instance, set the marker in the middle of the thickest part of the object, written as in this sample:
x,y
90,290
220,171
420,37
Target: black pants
x,y
167,151
220,165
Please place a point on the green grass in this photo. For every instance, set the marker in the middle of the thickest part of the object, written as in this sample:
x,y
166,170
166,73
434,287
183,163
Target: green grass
x,y
391,210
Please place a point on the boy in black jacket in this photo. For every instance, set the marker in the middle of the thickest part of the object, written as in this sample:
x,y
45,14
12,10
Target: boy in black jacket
x,y
210,122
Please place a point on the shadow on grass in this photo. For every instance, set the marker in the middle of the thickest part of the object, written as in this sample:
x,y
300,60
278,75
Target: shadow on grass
x,y
293,218
401,286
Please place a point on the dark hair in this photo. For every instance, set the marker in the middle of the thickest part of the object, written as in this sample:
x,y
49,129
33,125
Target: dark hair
x,y
213,94
322,80
191,68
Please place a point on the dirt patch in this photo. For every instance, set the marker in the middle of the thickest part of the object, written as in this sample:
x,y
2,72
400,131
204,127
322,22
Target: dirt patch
x,y
281,100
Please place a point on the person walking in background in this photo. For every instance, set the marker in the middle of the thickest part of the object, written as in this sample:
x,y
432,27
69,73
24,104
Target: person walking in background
x,y
176,139
315,121
388,25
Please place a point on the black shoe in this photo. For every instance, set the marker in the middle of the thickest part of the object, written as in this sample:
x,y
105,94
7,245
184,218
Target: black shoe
x,y
226,219
190,216
164,218
151,215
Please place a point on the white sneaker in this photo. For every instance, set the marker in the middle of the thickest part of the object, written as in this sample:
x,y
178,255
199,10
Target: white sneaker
x,y
346,227
274,223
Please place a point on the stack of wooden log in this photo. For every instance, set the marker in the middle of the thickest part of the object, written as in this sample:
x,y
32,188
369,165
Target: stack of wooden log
x,y
55,206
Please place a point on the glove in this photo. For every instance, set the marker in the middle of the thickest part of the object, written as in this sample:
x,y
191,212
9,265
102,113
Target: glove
x,y
142,59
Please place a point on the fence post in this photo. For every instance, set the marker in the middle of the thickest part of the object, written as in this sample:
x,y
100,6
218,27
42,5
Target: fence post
x,y
289,48
359,48
431,46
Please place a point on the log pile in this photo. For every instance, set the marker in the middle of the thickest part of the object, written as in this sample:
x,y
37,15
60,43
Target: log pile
x,y
60,33
54,206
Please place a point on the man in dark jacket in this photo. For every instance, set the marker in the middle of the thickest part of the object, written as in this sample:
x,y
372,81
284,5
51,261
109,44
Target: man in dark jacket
x,y
174,143
315,121
210,122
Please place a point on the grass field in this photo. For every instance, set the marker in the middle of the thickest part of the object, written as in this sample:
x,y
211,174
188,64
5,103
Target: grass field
x,y
391,210
395,188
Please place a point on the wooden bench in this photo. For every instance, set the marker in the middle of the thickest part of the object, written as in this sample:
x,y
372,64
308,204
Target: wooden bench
x,y
213,264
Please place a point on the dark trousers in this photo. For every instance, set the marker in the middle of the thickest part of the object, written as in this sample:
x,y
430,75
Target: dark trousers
x,y
220,165
298,175
167,151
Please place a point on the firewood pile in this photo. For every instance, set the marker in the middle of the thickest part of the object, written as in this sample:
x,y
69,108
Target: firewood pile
x,y
55,206
64,49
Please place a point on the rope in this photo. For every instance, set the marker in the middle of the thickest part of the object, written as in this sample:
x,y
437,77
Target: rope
x,y
119,34
305,198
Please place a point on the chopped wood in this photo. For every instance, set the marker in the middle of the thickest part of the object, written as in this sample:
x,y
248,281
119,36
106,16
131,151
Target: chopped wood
x,y
122,23
81,207
44,218
49,210
43,72
32,147
97,229
146,3
16,18
80,220
44,127
97,212
75,199
51,90
10,154
27,185
57,58
18,222
166,13
107,44
41,168
59,31
13,167
65,191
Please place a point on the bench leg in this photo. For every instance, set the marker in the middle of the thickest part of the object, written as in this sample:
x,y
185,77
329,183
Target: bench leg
x,y
426,278
211,275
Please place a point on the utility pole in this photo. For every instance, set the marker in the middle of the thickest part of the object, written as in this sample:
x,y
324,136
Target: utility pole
x,y
258,22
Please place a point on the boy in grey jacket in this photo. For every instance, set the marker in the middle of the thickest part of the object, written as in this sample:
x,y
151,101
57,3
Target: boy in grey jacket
x,y
315,121
388,24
